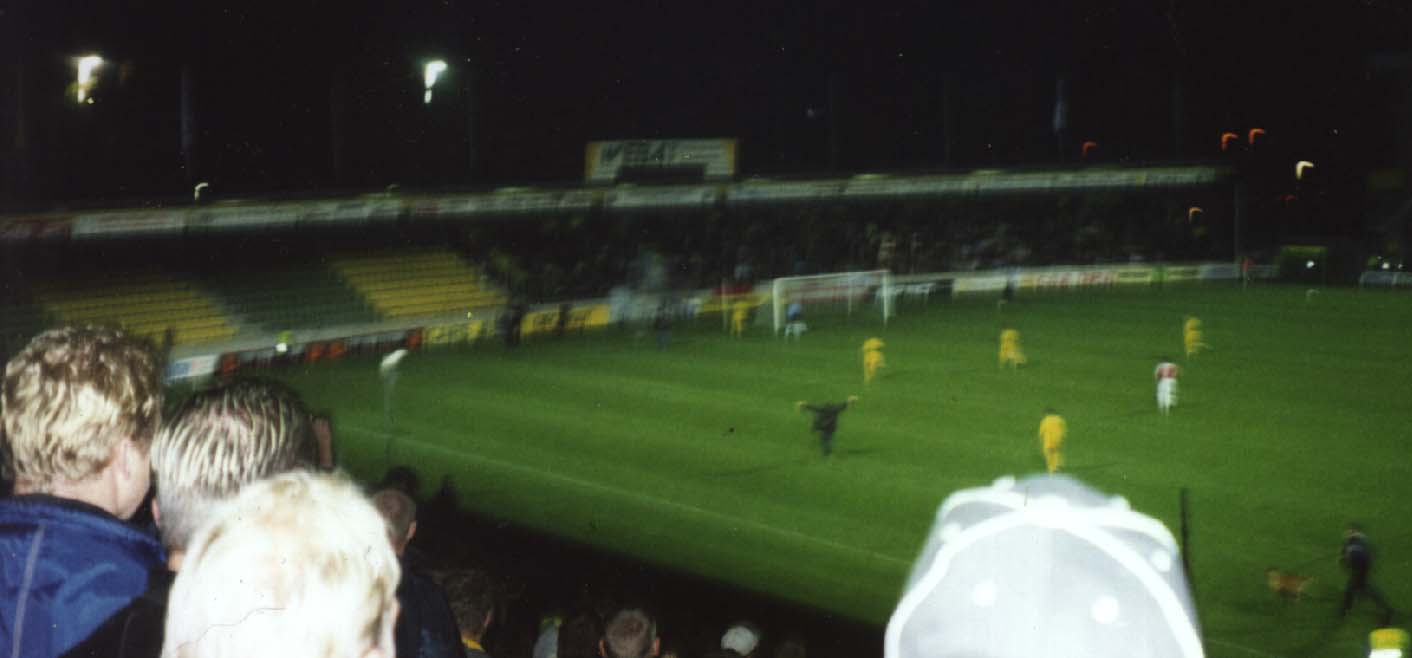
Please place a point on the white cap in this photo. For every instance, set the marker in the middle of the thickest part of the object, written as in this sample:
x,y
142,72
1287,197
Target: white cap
x,y
1044,566
740,638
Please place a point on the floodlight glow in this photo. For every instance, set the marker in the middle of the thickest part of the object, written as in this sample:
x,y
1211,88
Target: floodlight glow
x,y
1299,168
433,70
281,348
1308,264
86,66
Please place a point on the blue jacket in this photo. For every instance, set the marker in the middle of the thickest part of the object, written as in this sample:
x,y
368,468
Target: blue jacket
x,y
65,568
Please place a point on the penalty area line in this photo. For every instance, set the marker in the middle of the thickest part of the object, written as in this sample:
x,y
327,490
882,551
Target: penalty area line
x,y
637,497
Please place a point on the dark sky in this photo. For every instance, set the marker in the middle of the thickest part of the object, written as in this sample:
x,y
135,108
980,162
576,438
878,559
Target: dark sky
x,y
277,85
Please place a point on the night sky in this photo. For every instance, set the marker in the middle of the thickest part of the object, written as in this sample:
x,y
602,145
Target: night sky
x,y
278,88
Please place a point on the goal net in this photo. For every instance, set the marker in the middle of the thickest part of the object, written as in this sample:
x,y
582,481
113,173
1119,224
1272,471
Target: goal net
x,y
851,292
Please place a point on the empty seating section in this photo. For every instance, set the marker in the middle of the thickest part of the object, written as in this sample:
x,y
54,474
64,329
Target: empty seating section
x,y
143,306
430,282
295,297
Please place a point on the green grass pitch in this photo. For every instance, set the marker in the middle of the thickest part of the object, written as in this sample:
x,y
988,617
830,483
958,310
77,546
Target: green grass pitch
x,y
1295,422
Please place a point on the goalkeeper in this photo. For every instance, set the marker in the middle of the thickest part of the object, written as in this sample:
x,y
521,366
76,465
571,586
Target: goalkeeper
x,y
826,419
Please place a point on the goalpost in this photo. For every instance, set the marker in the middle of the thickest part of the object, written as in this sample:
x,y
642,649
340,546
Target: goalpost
x,y
852,290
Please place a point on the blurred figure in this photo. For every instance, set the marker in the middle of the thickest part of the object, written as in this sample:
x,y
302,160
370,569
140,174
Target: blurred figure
x,y
740,313
1356,555
826,419
296,565
1044,566
1191,336
662,324
426,627
80,409
1388,643
741,640
216,442
630,633
1166,374
1011,354
873,359
1052,431
580,635
472,595
794,321
792,647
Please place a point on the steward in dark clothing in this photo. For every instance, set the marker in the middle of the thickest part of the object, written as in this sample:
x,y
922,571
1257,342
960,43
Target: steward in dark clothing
x,y
826,420
425,626
1356,555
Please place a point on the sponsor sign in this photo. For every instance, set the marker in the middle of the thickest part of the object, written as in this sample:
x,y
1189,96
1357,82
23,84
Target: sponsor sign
x,y
604,162
137,222
191,367
578,319
21,229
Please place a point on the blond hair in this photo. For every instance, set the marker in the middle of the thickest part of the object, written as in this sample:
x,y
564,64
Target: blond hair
x,y
220,440
71,396
296,565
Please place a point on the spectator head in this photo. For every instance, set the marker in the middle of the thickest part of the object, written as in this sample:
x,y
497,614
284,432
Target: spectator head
x,y
1044,566
630,634
580,635
792,647
472,597
400,512
295,565
220,440
741,638
80,408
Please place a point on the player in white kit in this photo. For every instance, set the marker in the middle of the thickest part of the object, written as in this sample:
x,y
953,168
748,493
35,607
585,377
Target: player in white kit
x,y
1166,375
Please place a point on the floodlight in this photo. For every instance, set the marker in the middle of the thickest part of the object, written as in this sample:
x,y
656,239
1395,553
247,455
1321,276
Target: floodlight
x,y
433,70
87,65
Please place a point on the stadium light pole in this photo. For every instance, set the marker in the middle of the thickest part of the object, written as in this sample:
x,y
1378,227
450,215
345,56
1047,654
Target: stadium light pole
x,y
387,370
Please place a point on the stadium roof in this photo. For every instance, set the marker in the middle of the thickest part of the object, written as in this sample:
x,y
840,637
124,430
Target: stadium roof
x,y
351,210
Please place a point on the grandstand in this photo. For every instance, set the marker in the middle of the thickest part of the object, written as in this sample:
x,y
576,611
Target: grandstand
x,y
148,305
417,283
292,297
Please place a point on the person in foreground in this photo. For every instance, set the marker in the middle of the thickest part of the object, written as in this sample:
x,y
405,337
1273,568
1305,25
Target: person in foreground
x,y
1044,566
296,565
216,442
80,407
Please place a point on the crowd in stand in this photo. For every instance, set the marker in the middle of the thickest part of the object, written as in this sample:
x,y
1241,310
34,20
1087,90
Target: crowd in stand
x,y
254,545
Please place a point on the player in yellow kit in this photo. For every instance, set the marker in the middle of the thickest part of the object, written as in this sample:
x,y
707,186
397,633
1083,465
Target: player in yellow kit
x,y
1051,435
1010,352
873,359
1191,336
739,314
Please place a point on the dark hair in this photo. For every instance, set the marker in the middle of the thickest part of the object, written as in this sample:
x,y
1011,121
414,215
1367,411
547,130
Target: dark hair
x,y
472,597
579,635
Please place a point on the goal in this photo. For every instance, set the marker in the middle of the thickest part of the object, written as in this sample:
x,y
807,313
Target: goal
x,y
862,292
